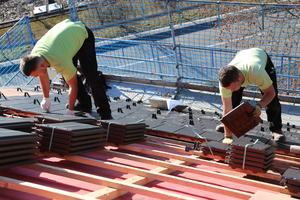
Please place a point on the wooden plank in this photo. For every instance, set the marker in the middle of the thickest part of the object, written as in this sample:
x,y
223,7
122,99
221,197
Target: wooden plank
x,y
105,181
111,193
168,140
196,160
259,195
172,148
160,177
211,174
39,190
287,161
178,149
172,136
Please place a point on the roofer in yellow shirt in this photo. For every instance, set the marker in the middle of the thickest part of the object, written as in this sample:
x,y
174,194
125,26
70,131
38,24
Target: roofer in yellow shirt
x,y
251,66
61,48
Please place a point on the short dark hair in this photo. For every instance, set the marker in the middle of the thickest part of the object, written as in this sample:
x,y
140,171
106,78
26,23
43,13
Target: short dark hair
x,y
28,64
228,74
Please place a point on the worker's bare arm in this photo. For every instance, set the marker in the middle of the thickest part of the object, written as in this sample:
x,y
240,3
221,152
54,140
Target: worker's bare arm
x,y
72,91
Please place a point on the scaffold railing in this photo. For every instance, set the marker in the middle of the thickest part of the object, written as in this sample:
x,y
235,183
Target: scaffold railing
x,y
188,41
14,44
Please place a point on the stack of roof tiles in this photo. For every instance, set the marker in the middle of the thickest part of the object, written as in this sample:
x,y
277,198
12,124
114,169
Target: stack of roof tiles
x,y
56,118
257,157
214,148
124,133
17,148
291,179
20,124
71,138
2,111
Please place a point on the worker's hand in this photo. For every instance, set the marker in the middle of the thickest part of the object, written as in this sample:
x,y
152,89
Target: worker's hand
x,y
70,112
46,104
257,110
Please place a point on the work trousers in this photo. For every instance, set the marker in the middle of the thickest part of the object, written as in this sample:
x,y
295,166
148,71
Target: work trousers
x,y
273,109
88,63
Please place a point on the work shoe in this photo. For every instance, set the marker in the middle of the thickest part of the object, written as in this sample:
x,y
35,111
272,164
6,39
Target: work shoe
x,y
278,136
228,139
106,117
220,128
80,107
105,113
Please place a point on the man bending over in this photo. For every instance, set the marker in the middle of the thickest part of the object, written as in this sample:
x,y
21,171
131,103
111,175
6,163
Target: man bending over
x,y
61,48
251,66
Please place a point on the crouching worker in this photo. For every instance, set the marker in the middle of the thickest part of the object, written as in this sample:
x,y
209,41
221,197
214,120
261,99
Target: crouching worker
x,y
61,48
251,66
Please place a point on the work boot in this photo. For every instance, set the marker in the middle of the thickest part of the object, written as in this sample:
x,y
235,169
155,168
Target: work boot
x,y
220,128
79,107
228,139
106,117
278,136
105,113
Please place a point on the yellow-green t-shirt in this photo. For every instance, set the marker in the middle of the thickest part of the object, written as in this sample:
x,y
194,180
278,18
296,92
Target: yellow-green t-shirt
x,y
252,63
60,44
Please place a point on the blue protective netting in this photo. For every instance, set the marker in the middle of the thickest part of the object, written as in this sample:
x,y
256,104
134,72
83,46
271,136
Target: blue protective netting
x,y
190,40
178,40
14,44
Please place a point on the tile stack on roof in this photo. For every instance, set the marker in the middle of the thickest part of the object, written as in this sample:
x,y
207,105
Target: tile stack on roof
x,y
56,118
17,148
71,138
20,124
257,157
2,111
124,133
214,148
291,179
